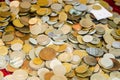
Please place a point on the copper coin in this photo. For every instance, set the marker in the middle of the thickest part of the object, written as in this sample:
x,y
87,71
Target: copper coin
x,y
48,75
116,65
47,53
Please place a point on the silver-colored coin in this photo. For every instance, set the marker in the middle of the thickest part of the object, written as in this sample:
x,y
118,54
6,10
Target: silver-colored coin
x,y
80,7
75,12
95,51
116,44
95,40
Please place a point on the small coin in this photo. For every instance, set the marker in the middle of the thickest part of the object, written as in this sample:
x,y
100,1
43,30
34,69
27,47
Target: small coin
x,y
82,68
106,63
48,75
18,76
59,70
66,28
62,16
108,55
81,7
87,38
68,67
90,60
56,7
7,36
33,78
47,53
3,50
58,77
16,46
42,3
97,76
96,7
115,74
95,51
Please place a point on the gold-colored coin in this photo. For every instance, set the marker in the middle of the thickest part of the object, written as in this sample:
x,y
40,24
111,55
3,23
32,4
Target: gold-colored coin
x,y
118,32
17,23
68,67
27,48
16,40
42,2
80,40
83,1
82,68
96,7
3,50
56,47
62,48
71,74
62,16
81,53
43,11
48,75
9,29
34,8
37,61
67,8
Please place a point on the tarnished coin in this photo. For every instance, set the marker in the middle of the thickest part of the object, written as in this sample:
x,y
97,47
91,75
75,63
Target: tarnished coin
x,y
7,36
90,60
95,51
47,53
115,52
100,29
56,7
48,75
66,28
43,39
75,12
95,40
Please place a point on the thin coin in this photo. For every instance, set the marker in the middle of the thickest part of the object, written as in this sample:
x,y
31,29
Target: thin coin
x,y
87,38
96,7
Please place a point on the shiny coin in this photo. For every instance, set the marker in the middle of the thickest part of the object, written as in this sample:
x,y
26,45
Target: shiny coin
x,y
33,41
33,20
14,4
35,29
2,62
81,7
116,44
55,62
68,67
47,53
90,60
115,52
8,77
17,23
95,51
106,63
100,29
96,7
82,32
87,38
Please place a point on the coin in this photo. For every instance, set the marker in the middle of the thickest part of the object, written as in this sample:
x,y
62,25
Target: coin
x,y
87,38
97,76
106,63
90,60
7,36
16,46
58,77
66,28
48,75
17,23
82,68
68,67
32,78
62,16
96,7
59,70
47,53
42,3
17,74
3,50
80,7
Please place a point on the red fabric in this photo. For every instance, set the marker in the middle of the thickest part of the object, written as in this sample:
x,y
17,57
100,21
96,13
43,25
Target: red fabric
x,y
5,72
112,4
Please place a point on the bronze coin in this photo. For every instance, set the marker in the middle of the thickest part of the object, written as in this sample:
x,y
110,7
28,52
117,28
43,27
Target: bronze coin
x,y
90,60
47,53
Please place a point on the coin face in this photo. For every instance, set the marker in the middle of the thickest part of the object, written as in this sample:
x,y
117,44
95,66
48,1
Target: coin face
x,y
96,7
47,53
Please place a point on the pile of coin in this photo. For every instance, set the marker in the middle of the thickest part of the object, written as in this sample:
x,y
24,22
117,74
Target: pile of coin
x,y
58,40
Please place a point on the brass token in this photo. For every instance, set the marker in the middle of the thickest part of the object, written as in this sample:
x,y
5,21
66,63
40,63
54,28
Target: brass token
x,y
96,7
47,53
